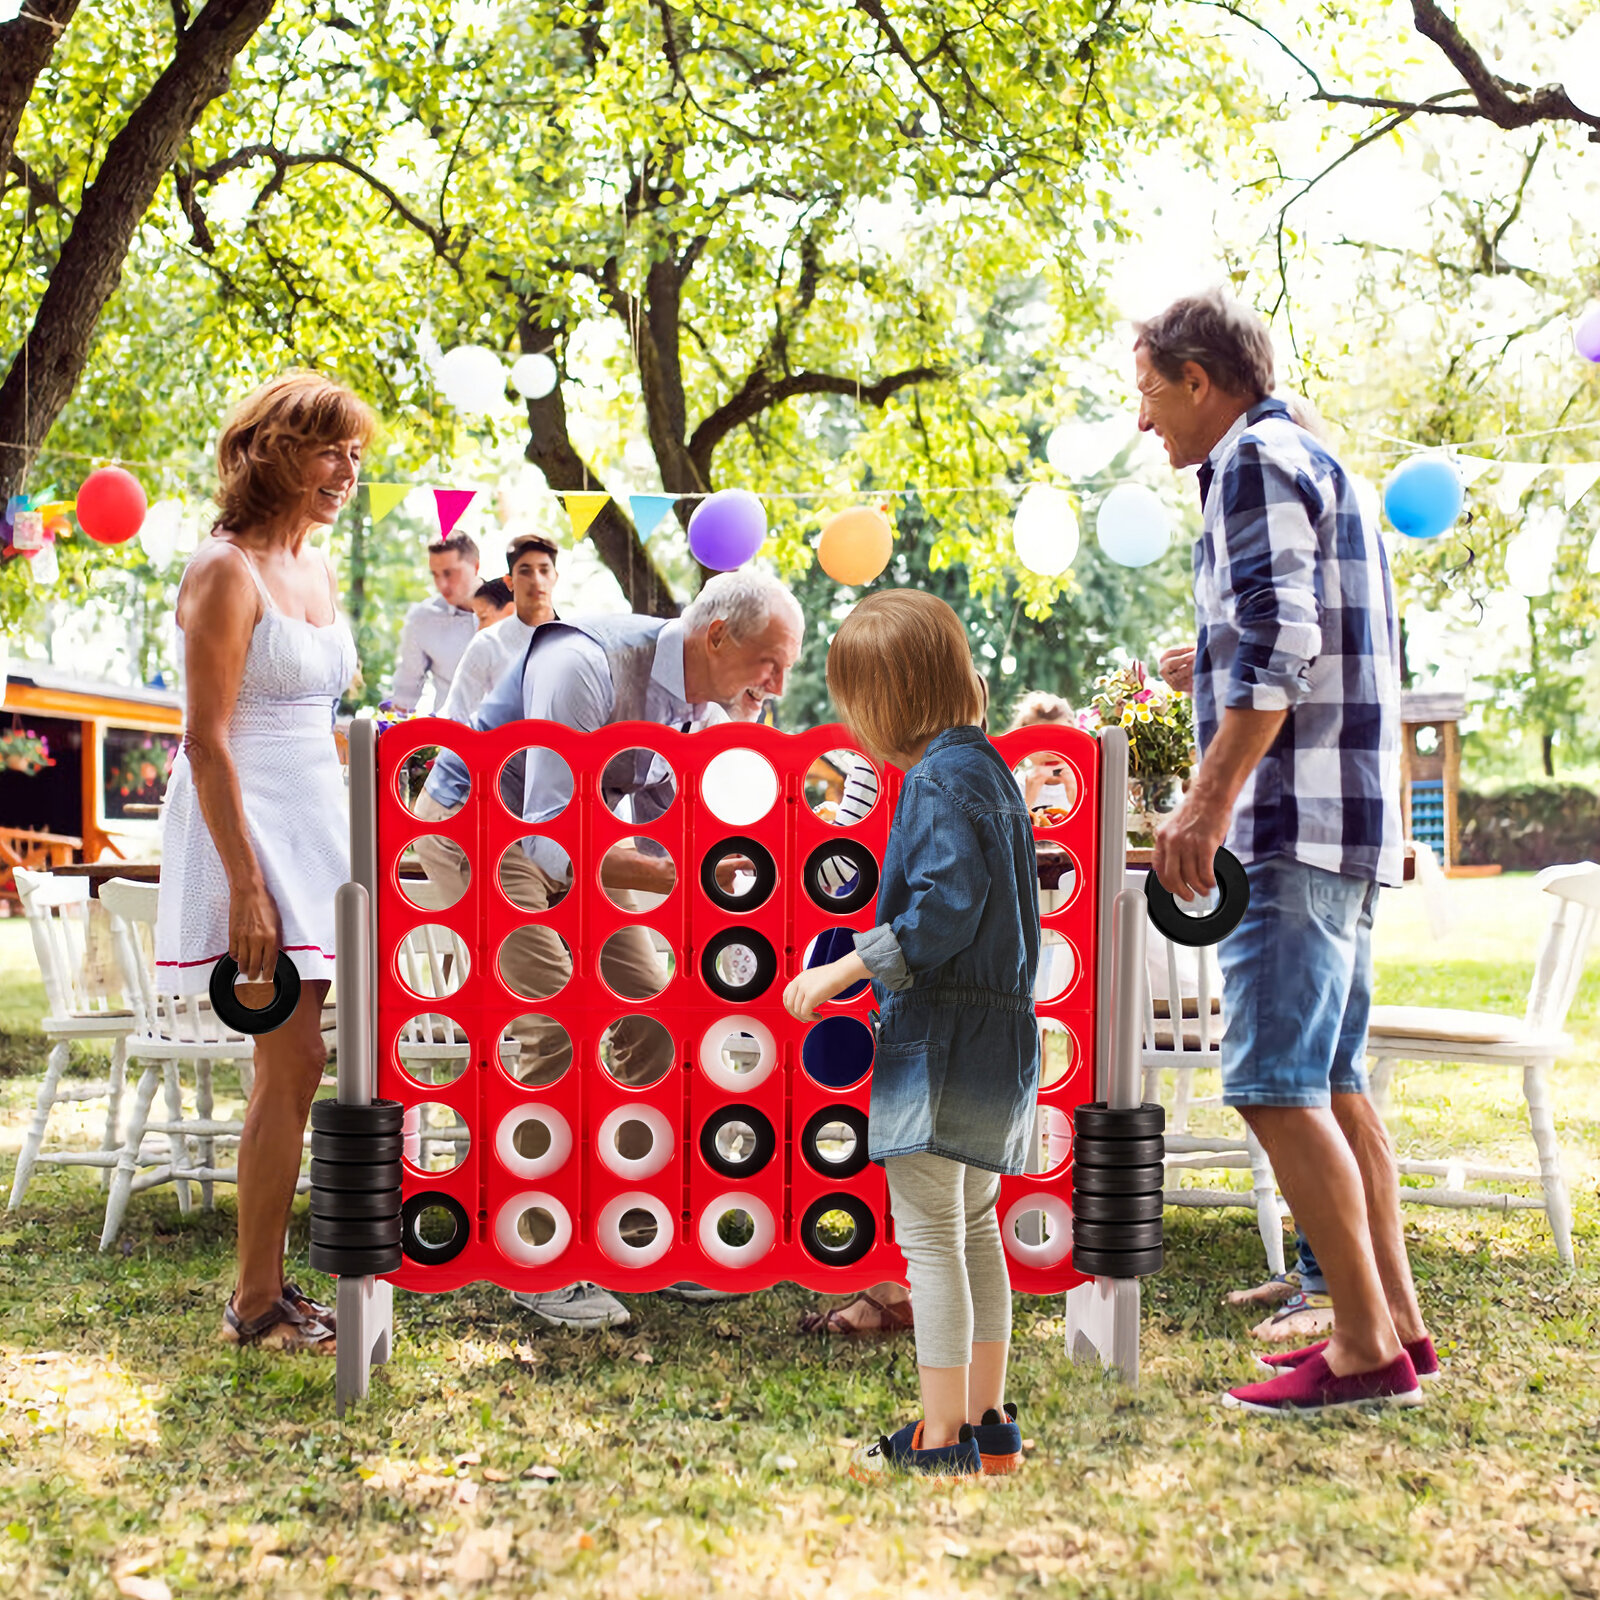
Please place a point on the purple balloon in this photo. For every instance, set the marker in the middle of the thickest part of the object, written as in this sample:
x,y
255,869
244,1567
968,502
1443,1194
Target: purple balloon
x,y
727,529
1587,335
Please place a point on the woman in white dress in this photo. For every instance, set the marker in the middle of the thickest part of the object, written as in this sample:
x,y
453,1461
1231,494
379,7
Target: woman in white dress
x,y
254,833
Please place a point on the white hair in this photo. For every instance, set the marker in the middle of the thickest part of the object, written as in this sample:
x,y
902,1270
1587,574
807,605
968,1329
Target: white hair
x,y
746,600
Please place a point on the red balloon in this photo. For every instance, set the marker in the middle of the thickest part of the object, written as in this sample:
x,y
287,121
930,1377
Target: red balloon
x,y
111,505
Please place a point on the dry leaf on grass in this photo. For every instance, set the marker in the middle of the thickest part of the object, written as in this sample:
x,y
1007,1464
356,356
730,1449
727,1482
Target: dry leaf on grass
x,y
137,1587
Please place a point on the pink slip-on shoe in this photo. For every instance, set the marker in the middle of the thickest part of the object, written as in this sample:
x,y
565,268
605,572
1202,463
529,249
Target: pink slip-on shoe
x,y
1313,1386
1423,1357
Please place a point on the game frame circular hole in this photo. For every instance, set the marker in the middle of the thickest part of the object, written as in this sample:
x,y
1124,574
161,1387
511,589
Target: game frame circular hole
x,y
639,902
658,1153
763,874
763,1229
626,775
510,783
721,963
413,769
520,939
1052,1250
636,1033
841,876
520,1155
624,963
430,1131
609,1235
429,894
815,1230
1049,811
432,961
739,787
838,1052
858,783
534,900
414,1214
832,944
1059,968
812,1137
515,1242
1070,875
724,1039
1061,1057
714,1143
539,1040
432,1050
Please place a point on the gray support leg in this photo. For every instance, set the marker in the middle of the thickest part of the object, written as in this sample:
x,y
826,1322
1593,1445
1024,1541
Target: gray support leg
x,y
364,1306
1102,1318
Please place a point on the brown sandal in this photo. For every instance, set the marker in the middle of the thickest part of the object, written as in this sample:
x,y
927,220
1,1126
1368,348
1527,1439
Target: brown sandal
x,y
281,1326
307,1307
896,1319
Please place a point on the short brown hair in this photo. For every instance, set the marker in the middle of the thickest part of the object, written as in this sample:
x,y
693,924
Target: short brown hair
x,y
460,544
529,541
268,435
900,670
1226,339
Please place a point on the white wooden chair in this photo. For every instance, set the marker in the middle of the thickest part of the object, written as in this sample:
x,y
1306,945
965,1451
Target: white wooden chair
x,y
1183,1032
170,1032
1533,1042
58,911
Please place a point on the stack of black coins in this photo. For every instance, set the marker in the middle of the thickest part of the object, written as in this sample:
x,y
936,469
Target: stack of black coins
x,y
1116,1190
355,1187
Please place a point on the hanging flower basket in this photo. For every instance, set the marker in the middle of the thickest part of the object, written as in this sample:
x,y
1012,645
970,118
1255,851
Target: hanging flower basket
x,y
24,751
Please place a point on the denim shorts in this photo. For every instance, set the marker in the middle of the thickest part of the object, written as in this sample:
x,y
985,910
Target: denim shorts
x,y
1297,987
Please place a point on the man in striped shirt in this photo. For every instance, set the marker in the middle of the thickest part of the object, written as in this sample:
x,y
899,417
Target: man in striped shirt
x,y
1297,702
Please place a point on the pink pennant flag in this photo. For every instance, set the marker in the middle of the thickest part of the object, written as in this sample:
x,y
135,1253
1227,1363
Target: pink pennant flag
x,y
452,503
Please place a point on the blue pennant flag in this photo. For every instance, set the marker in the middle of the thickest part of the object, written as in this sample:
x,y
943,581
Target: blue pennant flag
x,y
648,511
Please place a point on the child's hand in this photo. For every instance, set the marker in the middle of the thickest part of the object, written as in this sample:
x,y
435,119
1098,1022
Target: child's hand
x,y
812,988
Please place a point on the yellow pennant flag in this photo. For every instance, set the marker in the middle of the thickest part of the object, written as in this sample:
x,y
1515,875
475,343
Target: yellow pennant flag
x,y
382,498
583,509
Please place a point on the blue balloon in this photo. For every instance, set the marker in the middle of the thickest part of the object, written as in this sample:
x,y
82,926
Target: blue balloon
x,y
1424,497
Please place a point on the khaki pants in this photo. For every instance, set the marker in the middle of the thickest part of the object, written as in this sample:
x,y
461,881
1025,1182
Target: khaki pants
x,y
534,962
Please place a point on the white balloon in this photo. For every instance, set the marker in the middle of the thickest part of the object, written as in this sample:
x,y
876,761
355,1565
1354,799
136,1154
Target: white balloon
x,y
472,378
159,533
46,567
1133,527
1580,57
1045,532
1081,449
533,377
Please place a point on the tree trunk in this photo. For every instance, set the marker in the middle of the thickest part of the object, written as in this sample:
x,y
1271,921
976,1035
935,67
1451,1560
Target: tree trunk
x,y
47,368
1547,753
26,44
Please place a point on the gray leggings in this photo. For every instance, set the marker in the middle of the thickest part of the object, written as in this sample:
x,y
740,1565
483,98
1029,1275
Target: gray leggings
x,y
945,1223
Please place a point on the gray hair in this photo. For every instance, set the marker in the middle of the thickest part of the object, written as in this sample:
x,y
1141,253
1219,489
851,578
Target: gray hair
x,y
1304,415
746,600
1227,340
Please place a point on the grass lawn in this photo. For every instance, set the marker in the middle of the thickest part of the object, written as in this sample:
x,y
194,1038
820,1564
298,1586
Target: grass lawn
x,y
701,1453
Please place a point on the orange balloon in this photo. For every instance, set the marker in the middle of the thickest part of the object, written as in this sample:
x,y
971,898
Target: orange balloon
x,y
856,545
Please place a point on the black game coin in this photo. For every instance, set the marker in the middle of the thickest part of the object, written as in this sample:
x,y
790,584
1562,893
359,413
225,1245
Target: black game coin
x,y
1232,903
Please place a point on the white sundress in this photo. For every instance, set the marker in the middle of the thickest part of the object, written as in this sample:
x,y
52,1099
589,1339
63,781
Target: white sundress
x,y
296,805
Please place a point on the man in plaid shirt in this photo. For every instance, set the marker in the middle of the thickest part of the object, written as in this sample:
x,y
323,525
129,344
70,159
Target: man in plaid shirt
x,y
1297,696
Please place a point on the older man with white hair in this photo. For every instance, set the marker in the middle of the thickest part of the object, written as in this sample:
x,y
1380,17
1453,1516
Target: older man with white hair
x,y
730,650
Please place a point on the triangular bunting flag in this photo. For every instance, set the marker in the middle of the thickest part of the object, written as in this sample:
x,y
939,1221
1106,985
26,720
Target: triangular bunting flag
x,y
1516,479
451,503
649,509
382,498
1578,481
583,509
1470,468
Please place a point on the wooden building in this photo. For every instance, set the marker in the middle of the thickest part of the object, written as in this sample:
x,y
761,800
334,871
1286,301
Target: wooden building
x,y
110,747
1430,769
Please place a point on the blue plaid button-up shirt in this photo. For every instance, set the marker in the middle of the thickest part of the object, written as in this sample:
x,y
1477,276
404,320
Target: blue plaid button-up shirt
x,y
1295,612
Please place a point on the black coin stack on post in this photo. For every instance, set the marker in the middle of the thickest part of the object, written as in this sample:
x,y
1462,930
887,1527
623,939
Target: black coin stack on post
x,y
1116,1190
355,1187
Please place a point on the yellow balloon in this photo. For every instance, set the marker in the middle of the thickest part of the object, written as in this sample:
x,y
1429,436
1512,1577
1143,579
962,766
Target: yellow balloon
x,y
856,545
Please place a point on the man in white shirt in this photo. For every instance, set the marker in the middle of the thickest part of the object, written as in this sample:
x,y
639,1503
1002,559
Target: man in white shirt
x,y
531,564
437,632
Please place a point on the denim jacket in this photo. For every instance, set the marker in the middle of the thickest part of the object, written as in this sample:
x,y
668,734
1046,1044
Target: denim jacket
x,y
953,959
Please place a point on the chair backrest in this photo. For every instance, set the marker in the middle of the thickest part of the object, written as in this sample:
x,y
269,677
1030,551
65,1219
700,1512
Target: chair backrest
x,y
1179,980
1564,943
159,1014
433,961
57,910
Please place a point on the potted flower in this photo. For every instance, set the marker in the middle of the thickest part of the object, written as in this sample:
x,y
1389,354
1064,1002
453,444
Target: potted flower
x,y
1160,727
23,750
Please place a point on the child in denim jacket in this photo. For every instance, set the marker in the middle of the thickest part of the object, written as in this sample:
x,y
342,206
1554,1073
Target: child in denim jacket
x,y
952,960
